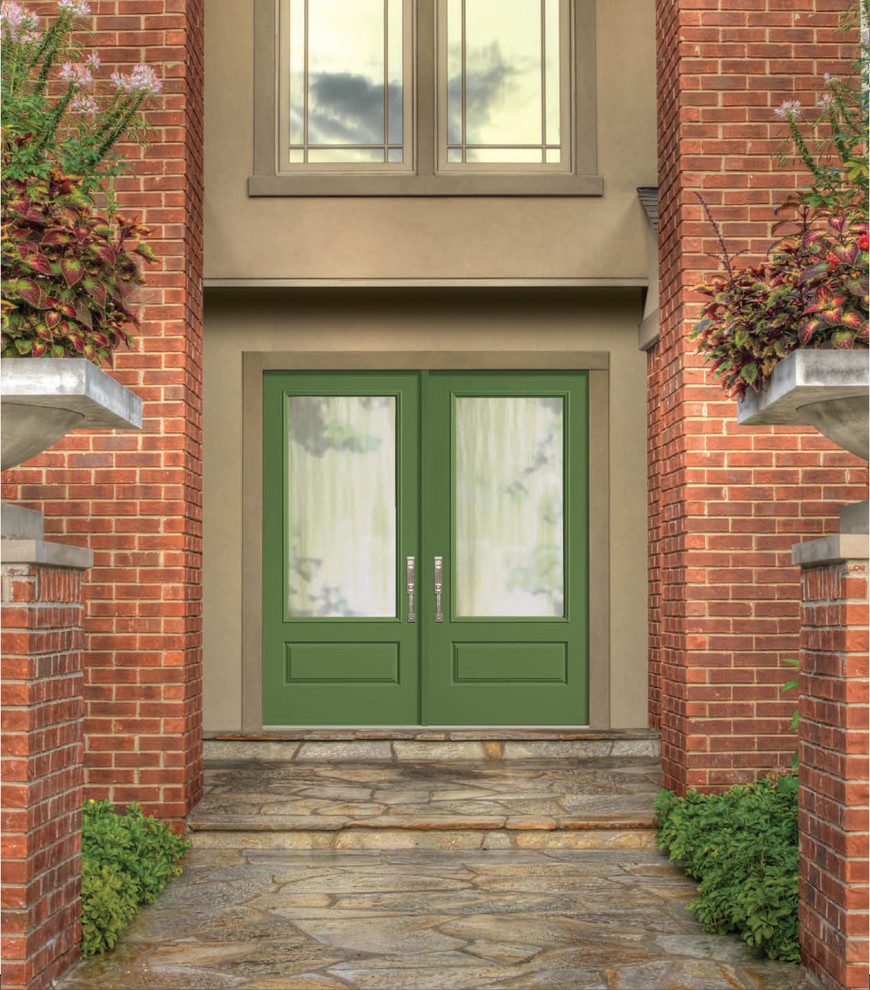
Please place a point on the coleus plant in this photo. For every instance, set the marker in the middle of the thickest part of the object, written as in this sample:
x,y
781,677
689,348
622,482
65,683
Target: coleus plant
x,y
68,272
811,291
70,261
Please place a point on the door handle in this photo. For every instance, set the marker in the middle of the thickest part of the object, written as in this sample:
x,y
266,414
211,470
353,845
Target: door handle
x,y
439,577
410,570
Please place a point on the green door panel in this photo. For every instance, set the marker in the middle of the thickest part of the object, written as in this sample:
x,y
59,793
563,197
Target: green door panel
x,y
486,470
337,654
483,668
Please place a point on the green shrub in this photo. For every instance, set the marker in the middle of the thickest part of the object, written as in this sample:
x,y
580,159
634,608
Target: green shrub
x,y
127,860
743,848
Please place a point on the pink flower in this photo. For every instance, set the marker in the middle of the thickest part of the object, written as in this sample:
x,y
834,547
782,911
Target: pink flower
x,y
142,79
76,74
84,105
788,109
78,8
16,21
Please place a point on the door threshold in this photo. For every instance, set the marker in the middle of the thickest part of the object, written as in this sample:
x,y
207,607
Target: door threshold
x,y
430,733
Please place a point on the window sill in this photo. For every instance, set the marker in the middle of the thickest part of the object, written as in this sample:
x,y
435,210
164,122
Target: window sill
x,y
425,185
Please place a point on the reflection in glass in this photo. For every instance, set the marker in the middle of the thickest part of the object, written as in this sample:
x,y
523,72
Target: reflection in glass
x,y
504,78
503,154
509,506
341,475
346,78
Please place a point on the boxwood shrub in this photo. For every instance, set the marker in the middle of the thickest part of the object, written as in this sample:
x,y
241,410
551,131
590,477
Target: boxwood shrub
x,y
742,847
127,860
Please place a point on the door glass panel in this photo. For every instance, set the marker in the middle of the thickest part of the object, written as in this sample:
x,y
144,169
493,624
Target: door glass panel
x,y
509,498
341,489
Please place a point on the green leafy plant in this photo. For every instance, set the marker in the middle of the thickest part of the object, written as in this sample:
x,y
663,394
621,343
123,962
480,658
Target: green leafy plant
x,y
831,140
811,290
792,685
127,860
68,272
55,118
742,847
70,263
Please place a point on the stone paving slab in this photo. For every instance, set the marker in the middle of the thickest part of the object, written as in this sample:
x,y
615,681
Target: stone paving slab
x,y
390,745
533,803
580,920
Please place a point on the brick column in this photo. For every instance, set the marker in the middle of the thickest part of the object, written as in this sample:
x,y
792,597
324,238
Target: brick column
x,y
728,502
834,752
42,772
135,500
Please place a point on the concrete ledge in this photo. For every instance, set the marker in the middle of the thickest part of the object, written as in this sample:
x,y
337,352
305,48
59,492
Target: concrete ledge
x,y
806,377
831,549
74,384
47,554
18,523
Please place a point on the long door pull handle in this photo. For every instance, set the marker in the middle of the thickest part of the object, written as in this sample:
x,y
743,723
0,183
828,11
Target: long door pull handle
x,y
439,577
410,569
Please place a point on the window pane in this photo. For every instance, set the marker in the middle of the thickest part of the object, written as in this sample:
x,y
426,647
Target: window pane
x,y
346,72
504,79
503,71
345,65
553,101
394,74
509,498
514,155
345,154
341,489
454,72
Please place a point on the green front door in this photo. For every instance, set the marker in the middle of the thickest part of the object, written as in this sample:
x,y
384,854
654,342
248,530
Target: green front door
x,y
425,548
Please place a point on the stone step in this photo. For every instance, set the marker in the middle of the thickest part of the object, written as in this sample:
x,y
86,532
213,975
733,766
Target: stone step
x,y
424,744
597,803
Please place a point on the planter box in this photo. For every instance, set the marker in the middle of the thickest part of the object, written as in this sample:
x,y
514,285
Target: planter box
x,y
826,389
45,398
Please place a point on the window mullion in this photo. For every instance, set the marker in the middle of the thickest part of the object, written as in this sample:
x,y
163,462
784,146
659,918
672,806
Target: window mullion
x,y
426,58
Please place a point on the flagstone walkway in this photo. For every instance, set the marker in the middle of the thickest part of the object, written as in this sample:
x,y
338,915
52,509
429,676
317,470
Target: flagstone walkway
x,y
408,919
422,874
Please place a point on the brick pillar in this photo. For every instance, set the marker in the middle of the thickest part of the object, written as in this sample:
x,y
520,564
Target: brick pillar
x,y
834,752
135,499
41,769
728,502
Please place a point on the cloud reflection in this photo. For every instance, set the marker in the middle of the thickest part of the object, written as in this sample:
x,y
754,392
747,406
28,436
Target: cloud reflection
x,y
347,108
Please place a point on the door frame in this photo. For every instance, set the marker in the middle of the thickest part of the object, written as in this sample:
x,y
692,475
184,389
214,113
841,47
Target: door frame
x,y
255,363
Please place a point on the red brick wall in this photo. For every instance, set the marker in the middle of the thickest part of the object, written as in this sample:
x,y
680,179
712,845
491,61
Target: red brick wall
x,y
727,502
135,499
41,793
835,750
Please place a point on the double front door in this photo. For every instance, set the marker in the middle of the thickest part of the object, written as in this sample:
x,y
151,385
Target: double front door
x,y
425,548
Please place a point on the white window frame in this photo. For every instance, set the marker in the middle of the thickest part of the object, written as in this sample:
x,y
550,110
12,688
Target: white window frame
x,y
427,174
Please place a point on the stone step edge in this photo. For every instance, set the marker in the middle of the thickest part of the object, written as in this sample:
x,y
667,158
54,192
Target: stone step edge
x,y
430,733
292,751
228,823
464,839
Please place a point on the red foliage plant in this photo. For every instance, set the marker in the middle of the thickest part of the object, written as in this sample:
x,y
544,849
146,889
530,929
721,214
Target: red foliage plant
x,y
811,291
68,272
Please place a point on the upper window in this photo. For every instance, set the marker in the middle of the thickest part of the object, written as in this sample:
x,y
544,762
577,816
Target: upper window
x,y
433,97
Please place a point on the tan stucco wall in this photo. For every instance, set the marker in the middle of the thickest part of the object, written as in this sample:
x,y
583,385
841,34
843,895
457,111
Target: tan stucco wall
x,y
351,320
600,238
